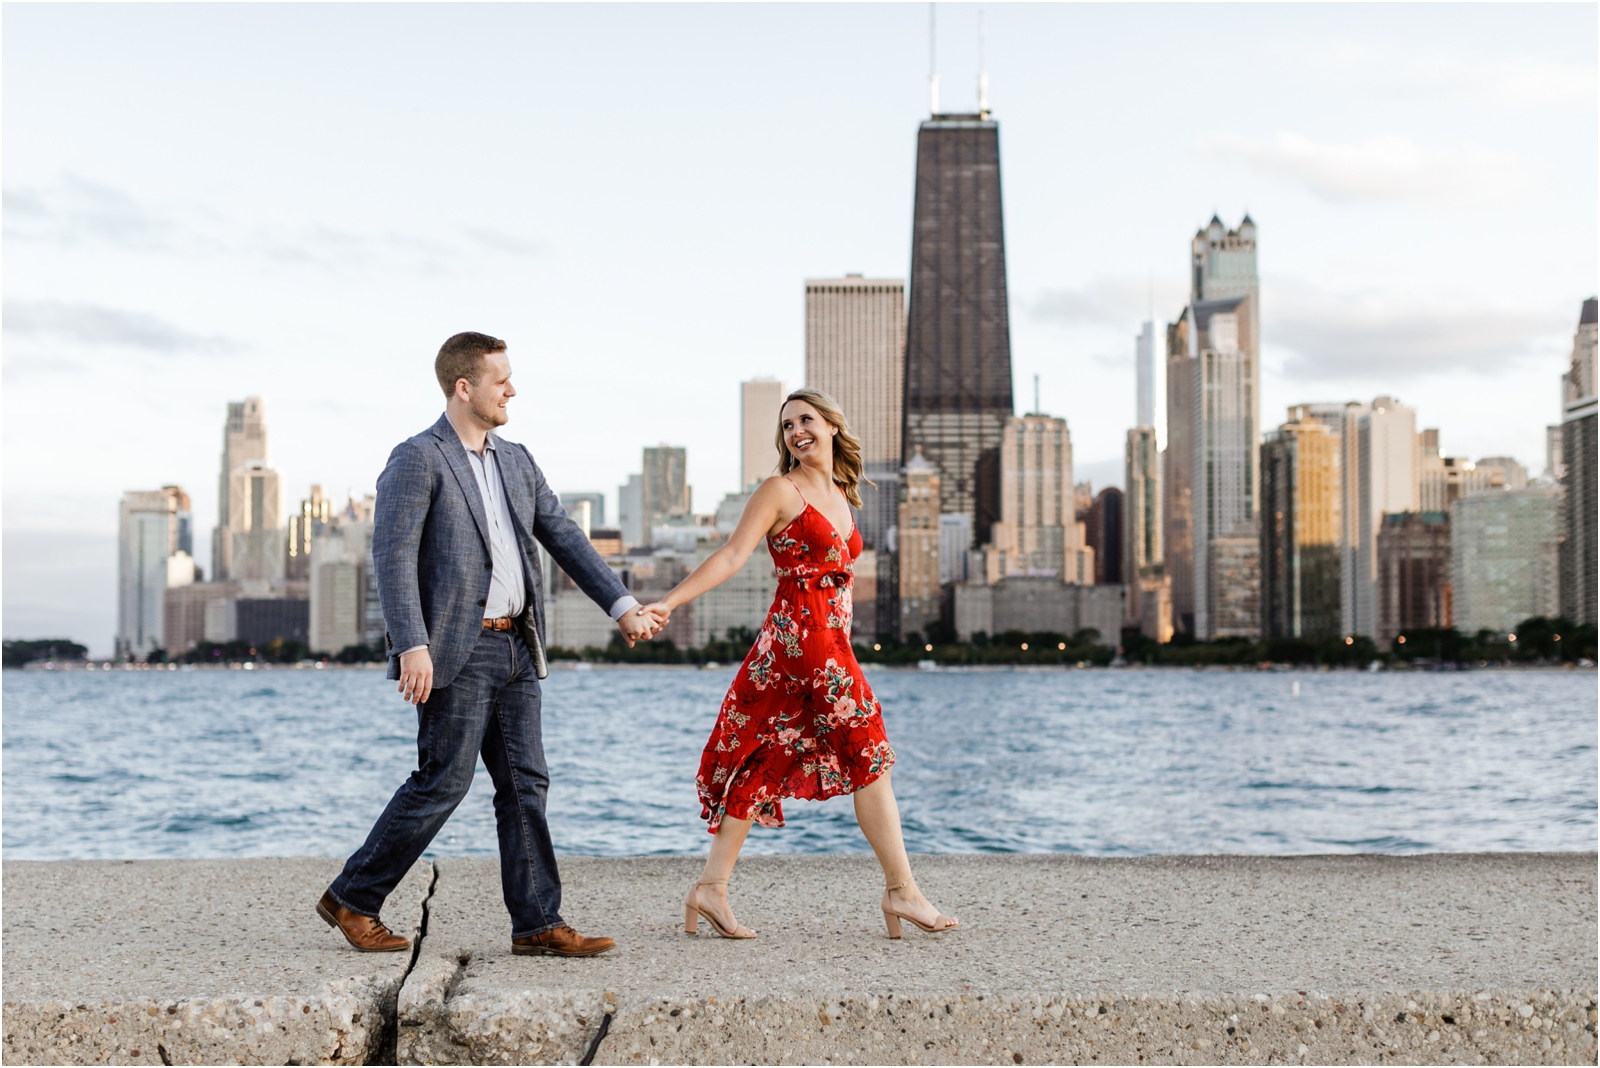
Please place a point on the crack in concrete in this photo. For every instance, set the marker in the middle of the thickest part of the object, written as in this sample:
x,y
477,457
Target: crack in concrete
x,y
594,1046
388,1051
456,977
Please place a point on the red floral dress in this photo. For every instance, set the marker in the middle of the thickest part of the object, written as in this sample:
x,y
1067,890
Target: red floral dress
x,y
799,719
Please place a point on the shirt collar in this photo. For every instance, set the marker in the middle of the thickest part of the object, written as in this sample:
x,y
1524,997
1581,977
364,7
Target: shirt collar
x,y
488,441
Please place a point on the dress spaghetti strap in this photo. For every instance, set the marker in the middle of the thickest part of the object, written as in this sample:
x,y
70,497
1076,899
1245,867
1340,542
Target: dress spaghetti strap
x,y
803,500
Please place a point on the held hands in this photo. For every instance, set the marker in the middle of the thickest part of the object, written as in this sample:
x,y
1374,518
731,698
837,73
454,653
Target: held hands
x,y
643,622
416,676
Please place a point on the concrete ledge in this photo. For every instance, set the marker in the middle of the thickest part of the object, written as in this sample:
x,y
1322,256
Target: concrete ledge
x,y
192,961
1438,959
1249,960
1064,1028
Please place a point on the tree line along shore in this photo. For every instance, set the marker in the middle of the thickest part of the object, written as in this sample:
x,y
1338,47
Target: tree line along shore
x,y
1535,641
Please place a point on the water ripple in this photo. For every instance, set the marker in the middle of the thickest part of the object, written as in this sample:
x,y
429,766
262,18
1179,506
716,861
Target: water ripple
x,y
1110,763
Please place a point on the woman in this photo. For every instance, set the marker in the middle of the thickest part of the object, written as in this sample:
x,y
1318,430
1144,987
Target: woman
x,y
799,720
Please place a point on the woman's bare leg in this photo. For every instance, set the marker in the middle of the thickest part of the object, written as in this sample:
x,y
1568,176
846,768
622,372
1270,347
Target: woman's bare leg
x,y
711,889
879,818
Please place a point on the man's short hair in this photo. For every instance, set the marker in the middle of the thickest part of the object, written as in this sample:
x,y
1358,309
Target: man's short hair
x,y
462,357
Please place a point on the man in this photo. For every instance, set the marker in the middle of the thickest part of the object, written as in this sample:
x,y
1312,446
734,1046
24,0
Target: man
x,y
458,510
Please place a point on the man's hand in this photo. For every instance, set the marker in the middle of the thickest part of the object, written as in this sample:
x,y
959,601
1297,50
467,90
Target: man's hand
x,y
416,676
636,626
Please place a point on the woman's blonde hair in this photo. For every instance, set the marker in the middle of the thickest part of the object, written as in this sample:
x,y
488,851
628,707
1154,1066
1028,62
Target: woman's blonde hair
x,y
846,446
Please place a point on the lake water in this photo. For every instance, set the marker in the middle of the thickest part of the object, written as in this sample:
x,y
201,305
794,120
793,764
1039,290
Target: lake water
x,y
1105,762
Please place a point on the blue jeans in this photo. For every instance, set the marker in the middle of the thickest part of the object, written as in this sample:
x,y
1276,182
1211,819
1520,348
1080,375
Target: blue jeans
x,y
492,708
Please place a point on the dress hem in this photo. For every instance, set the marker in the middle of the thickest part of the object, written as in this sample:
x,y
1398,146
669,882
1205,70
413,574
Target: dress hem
x,y
715,824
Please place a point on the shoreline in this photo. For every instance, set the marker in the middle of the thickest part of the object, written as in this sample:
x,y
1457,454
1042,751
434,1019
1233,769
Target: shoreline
x,y
594,665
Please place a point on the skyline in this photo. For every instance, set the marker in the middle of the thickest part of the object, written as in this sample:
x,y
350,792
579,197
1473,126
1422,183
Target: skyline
x,y
252,267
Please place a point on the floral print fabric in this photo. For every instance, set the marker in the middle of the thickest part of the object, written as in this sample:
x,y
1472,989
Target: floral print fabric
x,y
799,720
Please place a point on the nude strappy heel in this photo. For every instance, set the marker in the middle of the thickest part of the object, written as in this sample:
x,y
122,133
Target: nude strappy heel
x,y
693,912
892,918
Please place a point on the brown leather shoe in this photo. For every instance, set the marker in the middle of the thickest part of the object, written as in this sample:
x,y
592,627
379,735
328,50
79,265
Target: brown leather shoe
x,y
365,933
560,942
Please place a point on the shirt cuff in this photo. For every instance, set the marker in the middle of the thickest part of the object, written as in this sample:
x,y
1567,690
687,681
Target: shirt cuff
x,y
413,649
622,605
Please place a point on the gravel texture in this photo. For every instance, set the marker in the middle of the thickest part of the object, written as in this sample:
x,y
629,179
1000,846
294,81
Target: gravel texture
x,y
192,961
1349,959
1252,960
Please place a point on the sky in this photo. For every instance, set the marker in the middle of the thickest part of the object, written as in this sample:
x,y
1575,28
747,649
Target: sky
x,y
205,202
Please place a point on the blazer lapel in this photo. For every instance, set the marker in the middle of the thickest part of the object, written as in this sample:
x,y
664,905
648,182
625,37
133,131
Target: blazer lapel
x,y
515,477
455,455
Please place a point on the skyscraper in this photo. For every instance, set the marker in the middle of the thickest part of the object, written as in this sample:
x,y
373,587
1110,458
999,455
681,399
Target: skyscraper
x,y
958,333
664,492
1300,529
1579,406
1223,464
304,526
1177,471
1103,537
150,557
1149,600
630,512
1142,504
1350,512
856,353
1222,265
255,525
1142,563
917,549
955,547
1413,574
1213,425
244,438
1038,533
341,563
1386,481
1144,368
1503,558
759,402
1554,466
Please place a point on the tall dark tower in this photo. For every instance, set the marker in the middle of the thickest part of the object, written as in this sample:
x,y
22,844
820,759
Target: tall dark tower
x,y
958,329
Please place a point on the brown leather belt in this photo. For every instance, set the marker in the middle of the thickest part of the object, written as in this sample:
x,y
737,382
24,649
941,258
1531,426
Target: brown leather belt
x,y
500,623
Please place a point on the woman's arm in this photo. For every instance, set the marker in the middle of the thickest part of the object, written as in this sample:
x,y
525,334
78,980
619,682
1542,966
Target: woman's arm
x,y
762,512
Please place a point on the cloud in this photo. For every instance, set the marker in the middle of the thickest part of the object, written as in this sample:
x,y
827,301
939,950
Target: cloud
x,y
500,241
73,212
1325,336
78,212
93,324
334,250
1387,168
1115,302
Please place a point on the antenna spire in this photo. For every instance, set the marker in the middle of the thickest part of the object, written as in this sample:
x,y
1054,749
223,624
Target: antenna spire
x,y
933,61
983,61
1037,410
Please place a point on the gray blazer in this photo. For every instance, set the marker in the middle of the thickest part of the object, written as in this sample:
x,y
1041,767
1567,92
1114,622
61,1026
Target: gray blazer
x,y
430,549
